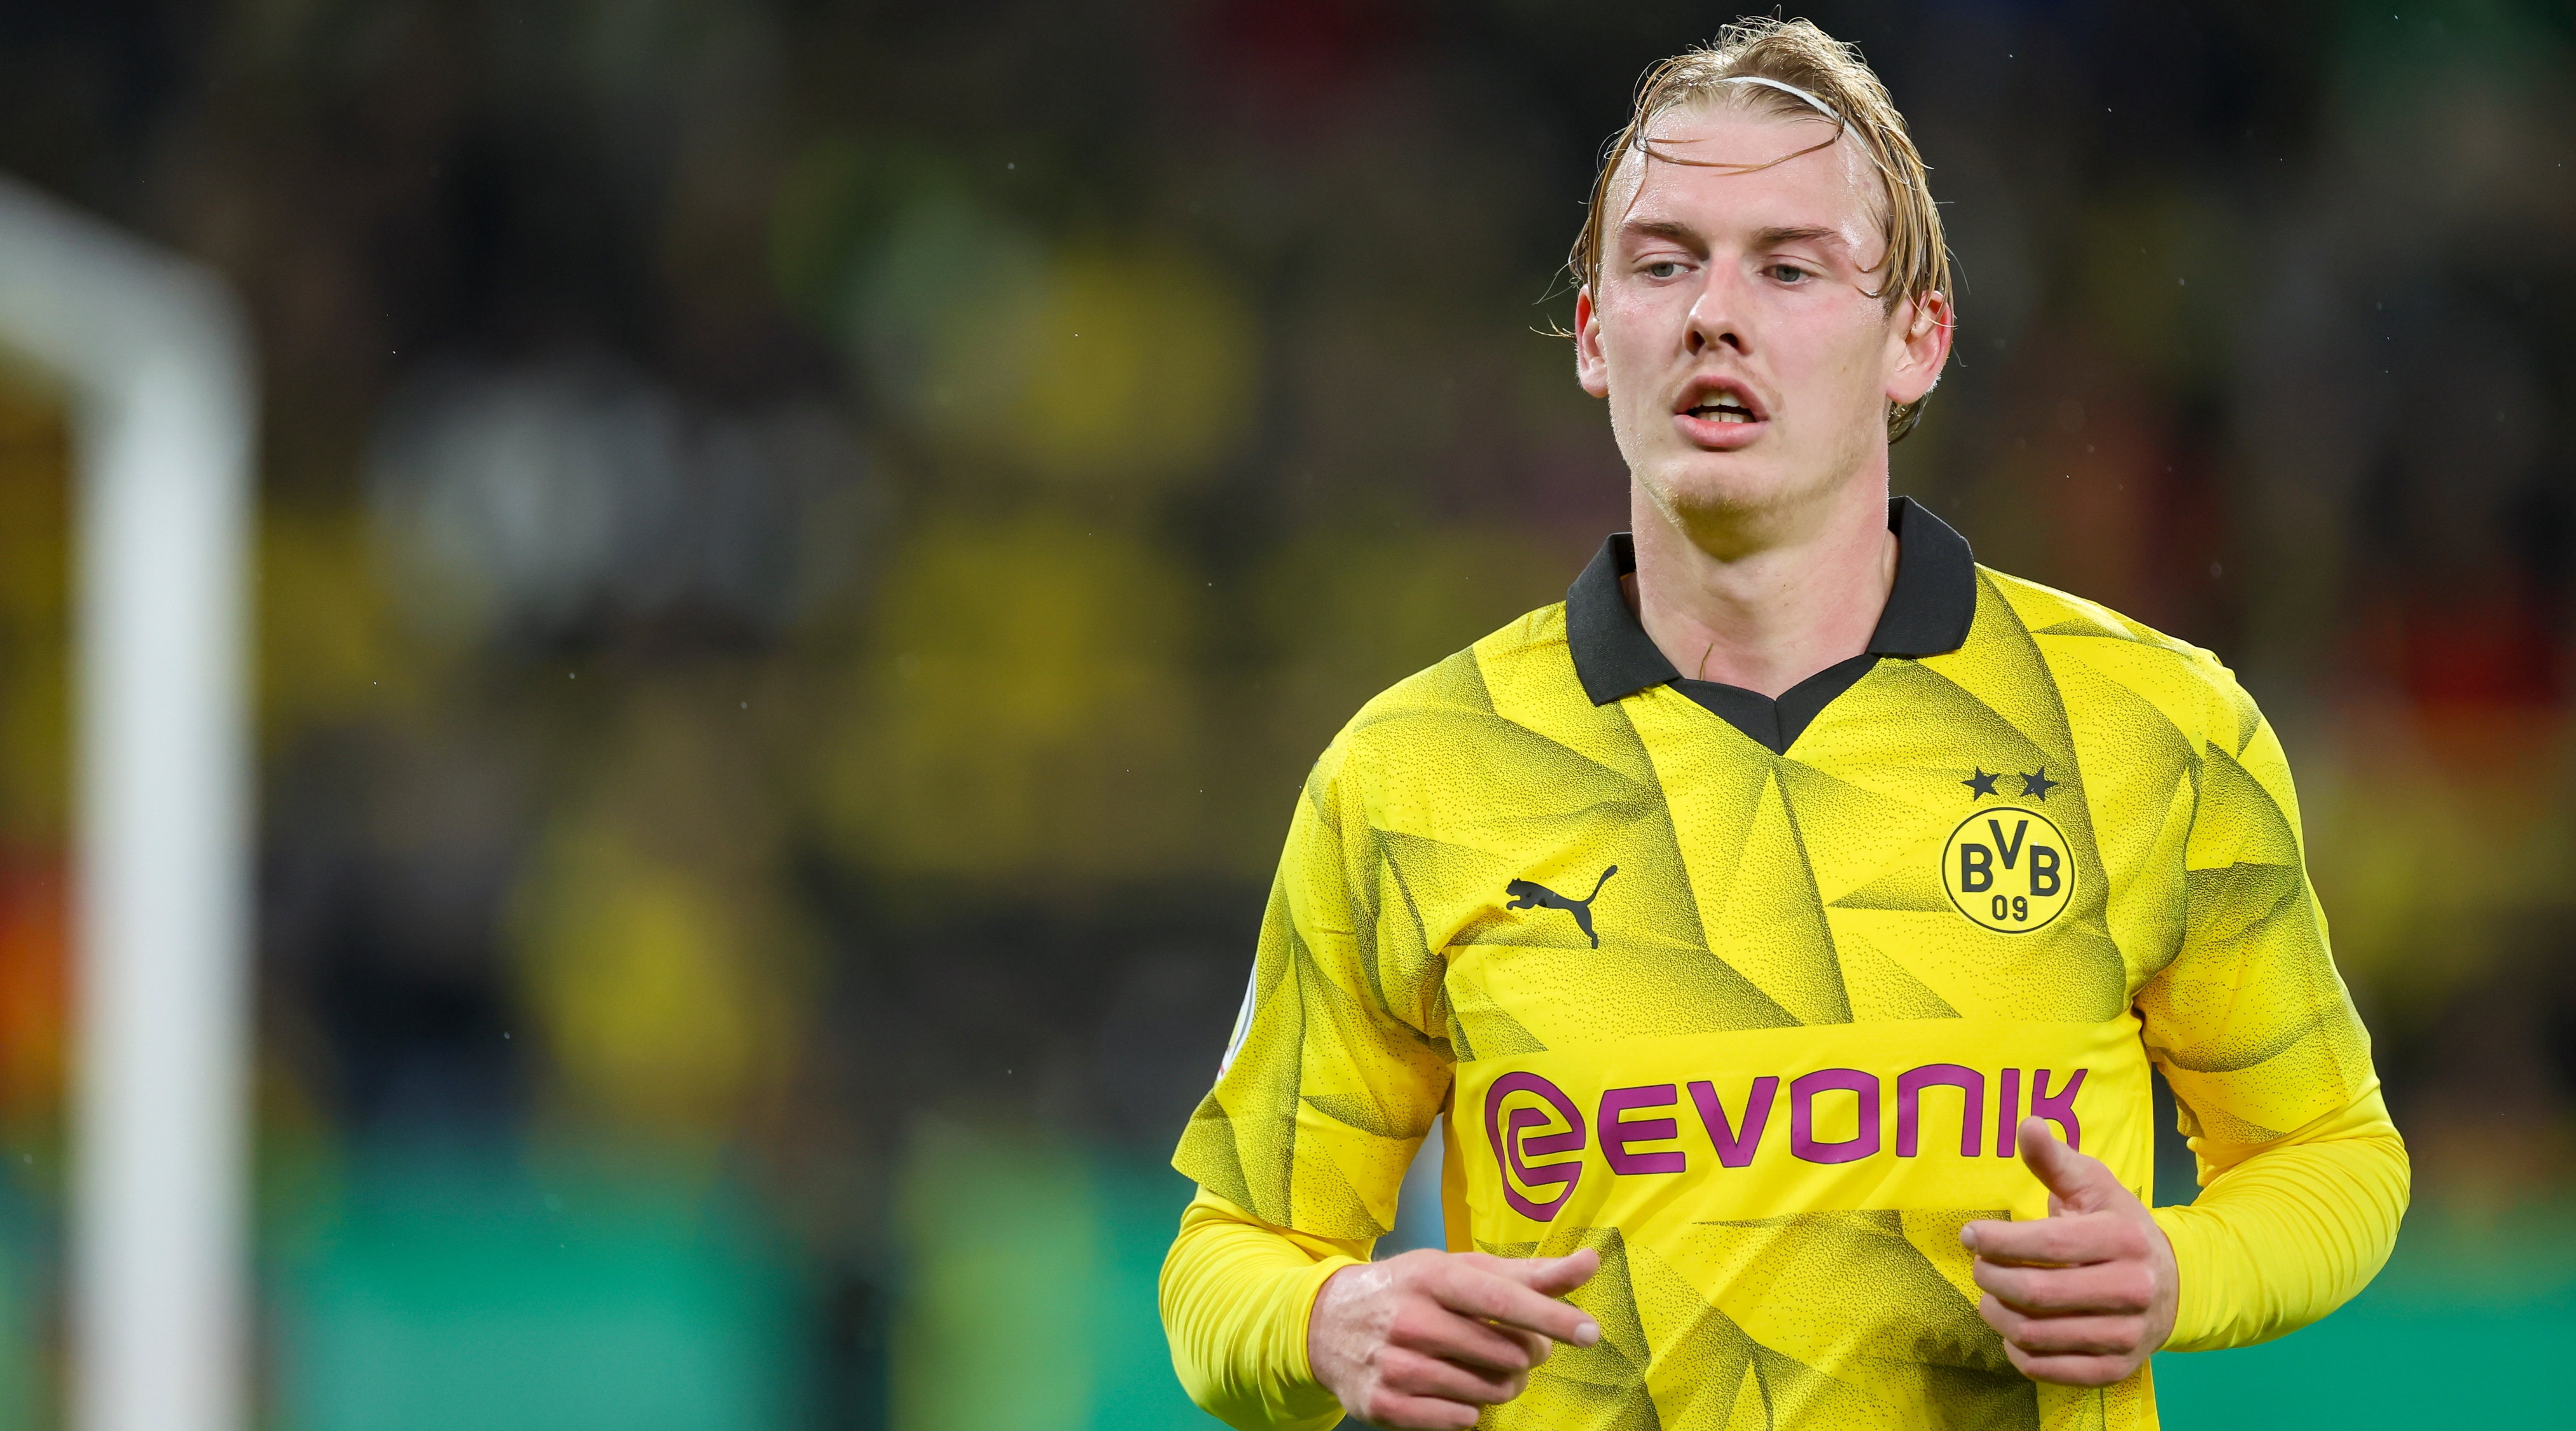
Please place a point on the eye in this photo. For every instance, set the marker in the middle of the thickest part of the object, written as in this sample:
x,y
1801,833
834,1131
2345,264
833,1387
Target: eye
x,y
1787,273
1663,268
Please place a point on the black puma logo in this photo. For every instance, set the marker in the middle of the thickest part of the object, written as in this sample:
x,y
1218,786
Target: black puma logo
x,y
1526,895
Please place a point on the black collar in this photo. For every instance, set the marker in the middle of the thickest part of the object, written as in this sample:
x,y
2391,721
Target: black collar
x,y
1928,609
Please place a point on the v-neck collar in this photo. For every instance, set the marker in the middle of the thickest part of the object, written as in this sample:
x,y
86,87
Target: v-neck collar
x,y
1929,609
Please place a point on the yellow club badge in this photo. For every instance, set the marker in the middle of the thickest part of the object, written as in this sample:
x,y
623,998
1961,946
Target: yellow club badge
x,y
2008,868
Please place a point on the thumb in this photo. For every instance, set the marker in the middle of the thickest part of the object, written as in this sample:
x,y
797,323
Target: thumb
x,y
2082,1183
1556,1276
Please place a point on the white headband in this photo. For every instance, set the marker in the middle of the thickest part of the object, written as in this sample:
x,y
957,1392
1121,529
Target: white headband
x,y
1821,107
1644,144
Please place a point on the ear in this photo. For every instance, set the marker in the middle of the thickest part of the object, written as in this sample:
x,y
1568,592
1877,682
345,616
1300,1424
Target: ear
x,y
1591,369
1919,337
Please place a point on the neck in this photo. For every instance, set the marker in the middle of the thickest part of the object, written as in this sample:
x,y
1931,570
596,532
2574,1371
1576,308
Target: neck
x,y
1764,599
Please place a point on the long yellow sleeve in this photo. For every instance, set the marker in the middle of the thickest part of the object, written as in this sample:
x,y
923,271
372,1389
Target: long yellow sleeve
x,y
2285,1232
1235,1294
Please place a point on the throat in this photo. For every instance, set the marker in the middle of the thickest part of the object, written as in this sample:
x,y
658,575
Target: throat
x,y
1766,622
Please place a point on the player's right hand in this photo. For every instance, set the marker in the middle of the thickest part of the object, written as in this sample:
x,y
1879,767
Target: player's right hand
x,y
1425,1341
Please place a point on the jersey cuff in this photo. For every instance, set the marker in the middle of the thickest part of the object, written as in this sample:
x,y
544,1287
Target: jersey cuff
x,y
2194,1315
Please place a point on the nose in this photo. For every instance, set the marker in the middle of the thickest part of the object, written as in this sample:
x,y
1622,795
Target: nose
x,y
1716,315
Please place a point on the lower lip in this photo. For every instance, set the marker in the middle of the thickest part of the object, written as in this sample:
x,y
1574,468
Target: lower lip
x,y
1717,436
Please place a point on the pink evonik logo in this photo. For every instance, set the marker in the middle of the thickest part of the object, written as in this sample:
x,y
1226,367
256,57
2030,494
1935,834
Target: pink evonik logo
x,y
1525,1135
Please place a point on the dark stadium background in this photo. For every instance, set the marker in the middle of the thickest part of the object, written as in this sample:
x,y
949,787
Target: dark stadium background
x,y
805,548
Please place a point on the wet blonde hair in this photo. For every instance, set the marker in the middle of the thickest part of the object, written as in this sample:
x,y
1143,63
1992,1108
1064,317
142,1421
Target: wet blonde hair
x,y
1794,70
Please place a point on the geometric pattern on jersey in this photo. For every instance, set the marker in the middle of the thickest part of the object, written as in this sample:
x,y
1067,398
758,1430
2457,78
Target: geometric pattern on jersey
x,y
1927,1347
1543,877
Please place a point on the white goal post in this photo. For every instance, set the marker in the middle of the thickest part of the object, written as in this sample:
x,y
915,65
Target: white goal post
x,y
153,362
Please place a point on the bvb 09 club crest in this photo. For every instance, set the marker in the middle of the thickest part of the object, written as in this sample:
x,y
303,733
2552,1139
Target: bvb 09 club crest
x,y
2008,869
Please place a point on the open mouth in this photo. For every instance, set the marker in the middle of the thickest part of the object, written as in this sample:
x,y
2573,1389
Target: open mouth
x,y
1721,400
1723,407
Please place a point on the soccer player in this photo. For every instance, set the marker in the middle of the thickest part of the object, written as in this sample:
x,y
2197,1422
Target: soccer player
x,y
1787,922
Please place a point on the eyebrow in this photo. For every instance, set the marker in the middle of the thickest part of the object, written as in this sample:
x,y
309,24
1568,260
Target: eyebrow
x,y
1773,238
1678,232
1685,234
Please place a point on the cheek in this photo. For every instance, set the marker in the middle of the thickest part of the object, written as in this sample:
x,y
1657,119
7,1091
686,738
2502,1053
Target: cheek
x,y
1623,363
1846,356
1640,327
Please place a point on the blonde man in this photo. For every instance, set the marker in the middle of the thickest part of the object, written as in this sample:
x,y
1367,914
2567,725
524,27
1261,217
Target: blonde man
x,y
1787,922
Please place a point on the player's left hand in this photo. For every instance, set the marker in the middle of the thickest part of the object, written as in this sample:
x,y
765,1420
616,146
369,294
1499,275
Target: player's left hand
x,y
2085,1297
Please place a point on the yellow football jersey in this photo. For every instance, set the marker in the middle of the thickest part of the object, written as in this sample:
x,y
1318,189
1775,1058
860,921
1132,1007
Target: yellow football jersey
x,y
1749,995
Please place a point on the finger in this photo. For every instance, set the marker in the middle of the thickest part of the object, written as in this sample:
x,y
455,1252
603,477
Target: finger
x,y
2083,1182
1433,1330
2081,1336
1410,1373
2107,1289
2068,1241
1533,1347
1475,1292
1509,1304
2073,1368
2063,1336
1536,1346
1397,1411
1552,1276
2070,1370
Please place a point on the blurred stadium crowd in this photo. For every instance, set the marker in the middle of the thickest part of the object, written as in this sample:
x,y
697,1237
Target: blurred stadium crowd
x,y
805,548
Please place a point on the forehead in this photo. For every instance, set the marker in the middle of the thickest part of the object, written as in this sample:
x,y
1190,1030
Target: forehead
x,y
1831,188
